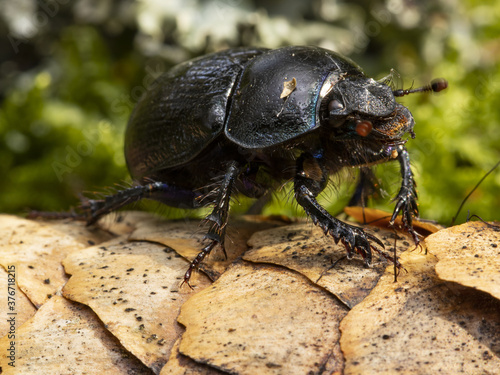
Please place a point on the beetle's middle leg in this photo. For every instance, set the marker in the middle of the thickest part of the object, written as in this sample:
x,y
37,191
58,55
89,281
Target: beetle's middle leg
x,y
219,216
367,186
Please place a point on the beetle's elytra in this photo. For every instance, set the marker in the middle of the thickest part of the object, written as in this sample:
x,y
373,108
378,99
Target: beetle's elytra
x,y
231,115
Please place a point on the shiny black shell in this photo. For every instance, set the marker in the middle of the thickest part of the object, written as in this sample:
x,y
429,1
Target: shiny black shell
x,y
183,111
233,93
258,115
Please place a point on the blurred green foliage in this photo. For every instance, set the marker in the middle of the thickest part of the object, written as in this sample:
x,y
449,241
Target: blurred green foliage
x,y
67,88
58,132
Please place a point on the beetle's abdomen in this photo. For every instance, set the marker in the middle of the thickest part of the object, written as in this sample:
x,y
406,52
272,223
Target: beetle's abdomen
x,y
182,112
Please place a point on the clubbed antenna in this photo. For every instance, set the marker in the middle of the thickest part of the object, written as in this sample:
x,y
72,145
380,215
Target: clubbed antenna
x,y
436,85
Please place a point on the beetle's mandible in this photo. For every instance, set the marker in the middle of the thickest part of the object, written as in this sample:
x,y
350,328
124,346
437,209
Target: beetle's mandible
x,y
258,117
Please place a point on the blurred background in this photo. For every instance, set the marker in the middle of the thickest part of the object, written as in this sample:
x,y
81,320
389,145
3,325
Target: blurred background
x,y
71,72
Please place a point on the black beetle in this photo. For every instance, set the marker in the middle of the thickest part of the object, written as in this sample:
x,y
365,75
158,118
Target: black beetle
x,y
256,117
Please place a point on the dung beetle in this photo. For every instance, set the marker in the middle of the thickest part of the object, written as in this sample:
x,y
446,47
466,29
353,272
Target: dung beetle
x,y
246,120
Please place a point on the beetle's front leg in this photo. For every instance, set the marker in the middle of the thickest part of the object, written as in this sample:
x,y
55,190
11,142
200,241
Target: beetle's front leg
x,y
219,216
406,200
310,180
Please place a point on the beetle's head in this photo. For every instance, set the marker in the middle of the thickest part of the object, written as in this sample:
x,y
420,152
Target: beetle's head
x,y
360,108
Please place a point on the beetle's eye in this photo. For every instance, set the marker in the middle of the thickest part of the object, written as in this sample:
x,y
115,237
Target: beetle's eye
x,y
335,106
363,128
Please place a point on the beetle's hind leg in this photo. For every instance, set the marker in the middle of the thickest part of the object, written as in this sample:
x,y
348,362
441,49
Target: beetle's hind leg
x,y
218,217
94,209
